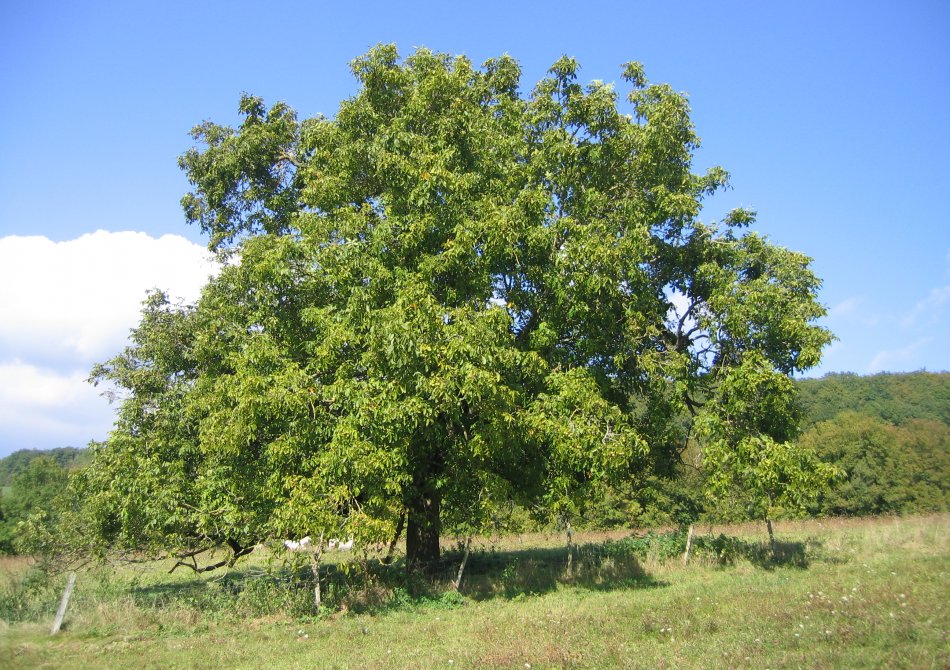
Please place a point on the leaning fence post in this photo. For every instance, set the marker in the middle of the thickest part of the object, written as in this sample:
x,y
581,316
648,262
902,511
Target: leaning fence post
x,y
458,579
63,604
570,549
689,545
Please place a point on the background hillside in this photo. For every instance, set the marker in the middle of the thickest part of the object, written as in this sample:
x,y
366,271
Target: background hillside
x,y
894,398
889,433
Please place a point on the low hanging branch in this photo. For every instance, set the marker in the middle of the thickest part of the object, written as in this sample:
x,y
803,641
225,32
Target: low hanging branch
x,y
237,551
391,553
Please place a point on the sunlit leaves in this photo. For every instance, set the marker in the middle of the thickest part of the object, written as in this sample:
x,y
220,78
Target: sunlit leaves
x,y
447,297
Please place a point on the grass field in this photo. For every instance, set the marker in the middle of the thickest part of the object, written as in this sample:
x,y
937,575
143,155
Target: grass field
x,y
868,593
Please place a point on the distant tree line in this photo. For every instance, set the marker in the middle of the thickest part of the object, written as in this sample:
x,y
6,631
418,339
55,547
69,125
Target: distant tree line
x,y
16,463
893,398
888,435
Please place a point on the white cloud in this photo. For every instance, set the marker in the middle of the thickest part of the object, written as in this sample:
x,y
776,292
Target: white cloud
x,y
76,300
929,308
846,307
22,384
42,408
63,307
855,310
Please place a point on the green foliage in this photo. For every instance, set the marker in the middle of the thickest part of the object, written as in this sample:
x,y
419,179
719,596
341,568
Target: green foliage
x,y
893,398
753,468
887,469
69,458
30,597
656,546
30,509
719,549
647,502
446,299
887,433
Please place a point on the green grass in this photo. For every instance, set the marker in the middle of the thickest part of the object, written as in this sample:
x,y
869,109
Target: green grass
x,y
862,594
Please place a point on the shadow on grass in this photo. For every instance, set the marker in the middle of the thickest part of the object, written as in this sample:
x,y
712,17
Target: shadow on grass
x,y
372,587
518,573
727,550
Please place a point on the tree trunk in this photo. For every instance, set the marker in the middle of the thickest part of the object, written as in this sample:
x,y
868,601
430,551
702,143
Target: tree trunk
x,y
424,506
64,603
315,557
423,529
768,523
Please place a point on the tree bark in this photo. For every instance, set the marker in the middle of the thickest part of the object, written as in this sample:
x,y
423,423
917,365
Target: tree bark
x,y
63,604
458,579
423,529
315,569
570,549
423,516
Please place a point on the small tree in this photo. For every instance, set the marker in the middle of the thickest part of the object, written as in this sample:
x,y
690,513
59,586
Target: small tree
x,y
752,463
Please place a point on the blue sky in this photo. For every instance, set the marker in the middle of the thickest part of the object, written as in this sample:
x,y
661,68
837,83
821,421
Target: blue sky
x,y
831,118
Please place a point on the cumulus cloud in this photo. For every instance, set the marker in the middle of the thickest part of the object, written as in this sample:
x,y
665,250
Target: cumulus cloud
x,y
66,305
42,408
928,308
78,299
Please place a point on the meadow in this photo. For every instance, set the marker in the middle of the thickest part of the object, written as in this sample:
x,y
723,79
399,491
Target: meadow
x,y
838,593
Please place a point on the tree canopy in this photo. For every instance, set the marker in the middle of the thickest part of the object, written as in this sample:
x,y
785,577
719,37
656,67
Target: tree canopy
x,y
448,296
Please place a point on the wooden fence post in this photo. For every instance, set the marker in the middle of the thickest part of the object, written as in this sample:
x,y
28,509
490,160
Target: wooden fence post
x,y
458,579
63,604
689,545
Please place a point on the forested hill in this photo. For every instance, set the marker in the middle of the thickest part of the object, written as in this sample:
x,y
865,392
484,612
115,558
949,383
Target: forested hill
x,y
17,462
894,398
889,434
